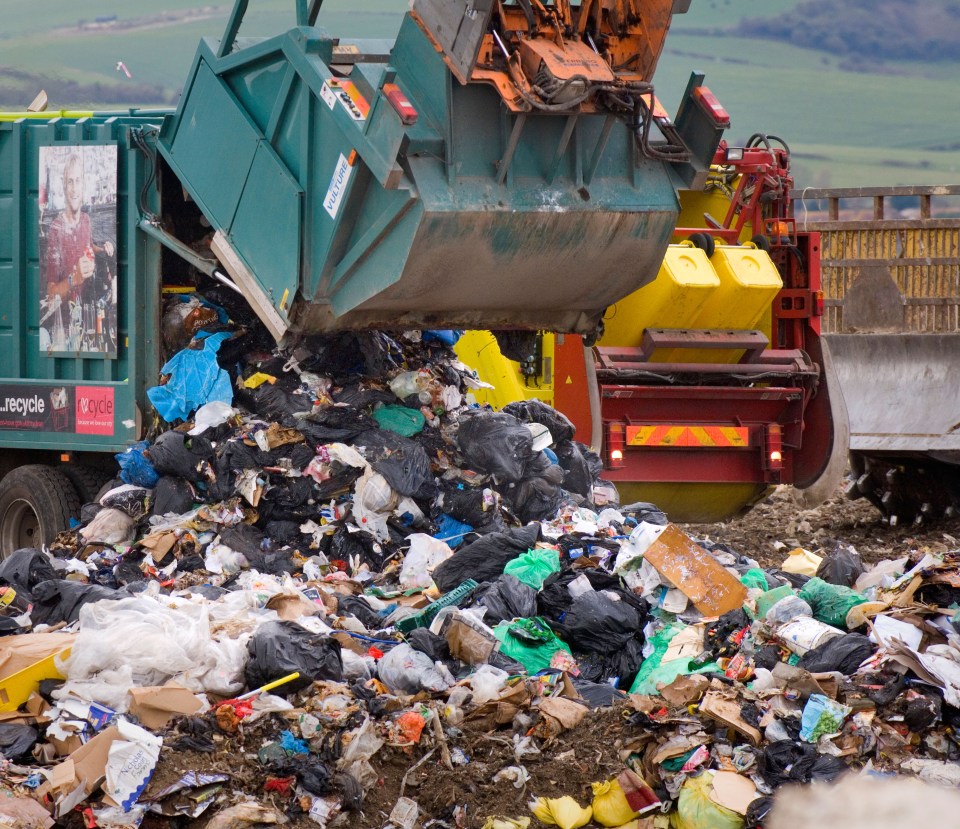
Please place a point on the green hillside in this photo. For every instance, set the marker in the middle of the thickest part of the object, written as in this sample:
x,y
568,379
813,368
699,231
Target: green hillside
x,y
852,115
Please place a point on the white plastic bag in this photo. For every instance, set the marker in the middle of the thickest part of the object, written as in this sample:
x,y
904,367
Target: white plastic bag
x,y
211,414
110,526
487,683
373,501
424,555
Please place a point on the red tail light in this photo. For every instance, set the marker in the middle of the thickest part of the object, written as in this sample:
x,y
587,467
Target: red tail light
x,y
616,443
393,93
709,102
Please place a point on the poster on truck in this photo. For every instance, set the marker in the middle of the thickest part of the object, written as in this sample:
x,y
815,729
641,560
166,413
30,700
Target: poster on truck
x,y
78,255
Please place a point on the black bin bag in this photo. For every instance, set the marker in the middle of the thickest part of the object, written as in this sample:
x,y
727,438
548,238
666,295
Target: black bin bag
x,y
485,559
281,648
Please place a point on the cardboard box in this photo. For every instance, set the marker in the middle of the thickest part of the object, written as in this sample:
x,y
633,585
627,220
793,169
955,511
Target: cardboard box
x,y
155,706
87,765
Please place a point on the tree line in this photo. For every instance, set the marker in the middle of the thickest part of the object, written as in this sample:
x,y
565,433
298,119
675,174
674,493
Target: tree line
x,y
874,29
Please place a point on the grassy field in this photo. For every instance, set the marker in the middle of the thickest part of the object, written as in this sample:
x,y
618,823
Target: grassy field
x,y
846,128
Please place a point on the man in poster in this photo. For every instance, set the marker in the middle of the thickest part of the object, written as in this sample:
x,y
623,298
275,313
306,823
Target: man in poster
x,y
76,304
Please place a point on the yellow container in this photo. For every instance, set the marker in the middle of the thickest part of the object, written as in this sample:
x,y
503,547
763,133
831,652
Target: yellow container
x,y
479,350
685,283
16,688
749,281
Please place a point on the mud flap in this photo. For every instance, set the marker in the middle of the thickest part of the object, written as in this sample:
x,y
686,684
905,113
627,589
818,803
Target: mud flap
x,y
820,465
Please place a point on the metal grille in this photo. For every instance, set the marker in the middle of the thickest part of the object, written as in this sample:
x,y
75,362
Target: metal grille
x,y
887,266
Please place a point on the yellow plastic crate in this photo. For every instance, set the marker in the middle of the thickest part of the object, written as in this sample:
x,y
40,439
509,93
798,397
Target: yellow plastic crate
x,y
16,688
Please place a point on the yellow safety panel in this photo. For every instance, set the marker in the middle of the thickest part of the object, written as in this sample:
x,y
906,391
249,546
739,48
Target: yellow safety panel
x,y
688,436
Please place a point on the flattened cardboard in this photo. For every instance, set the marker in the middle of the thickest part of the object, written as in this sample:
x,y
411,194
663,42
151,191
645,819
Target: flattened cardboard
x,y
685,690
22,651
291,607
711,588
159,544
727,711
24,812
155,706
733,791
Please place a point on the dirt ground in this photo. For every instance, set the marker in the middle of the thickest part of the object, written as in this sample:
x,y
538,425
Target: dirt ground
x,y
780,520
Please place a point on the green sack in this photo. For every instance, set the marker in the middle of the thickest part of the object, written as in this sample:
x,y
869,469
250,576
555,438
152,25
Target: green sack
x,y
830,602
530,642
654,671
400,419
534,566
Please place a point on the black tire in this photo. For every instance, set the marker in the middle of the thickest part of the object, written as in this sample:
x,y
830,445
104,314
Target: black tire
x,y
36,503
86,480
762,242
705,242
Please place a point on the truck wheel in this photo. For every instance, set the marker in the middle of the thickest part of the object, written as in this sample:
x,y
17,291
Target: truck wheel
x,y
86,480
36,503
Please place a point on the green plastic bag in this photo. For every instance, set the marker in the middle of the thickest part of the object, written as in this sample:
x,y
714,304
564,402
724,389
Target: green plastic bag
x,y
534,566
400,419
830,602
530,642
695,809
755,577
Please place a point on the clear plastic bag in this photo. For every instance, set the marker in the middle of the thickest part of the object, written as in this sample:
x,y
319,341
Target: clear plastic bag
x,y
154,643
407,671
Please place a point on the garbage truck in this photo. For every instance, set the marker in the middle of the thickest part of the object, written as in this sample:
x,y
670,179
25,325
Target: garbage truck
x,y
501,166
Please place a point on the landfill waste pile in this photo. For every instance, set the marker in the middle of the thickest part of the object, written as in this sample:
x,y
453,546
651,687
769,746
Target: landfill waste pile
x,y
332,591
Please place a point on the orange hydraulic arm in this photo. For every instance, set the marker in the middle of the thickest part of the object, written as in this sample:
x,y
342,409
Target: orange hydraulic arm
x,y
596,56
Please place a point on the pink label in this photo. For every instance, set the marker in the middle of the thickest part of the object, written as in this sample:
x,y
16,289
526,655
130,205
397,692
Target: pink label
x,y
94,410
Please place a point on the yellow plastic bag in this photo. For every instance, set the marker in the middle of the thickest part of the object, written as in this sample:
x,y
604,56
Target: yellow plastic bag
x,y
801,562
564,812
494,822
695,809
610,807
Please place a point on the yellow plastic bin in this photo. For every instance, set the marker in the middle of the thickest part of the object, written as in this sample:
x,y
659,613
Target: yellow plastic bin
x,y
684,284
749,282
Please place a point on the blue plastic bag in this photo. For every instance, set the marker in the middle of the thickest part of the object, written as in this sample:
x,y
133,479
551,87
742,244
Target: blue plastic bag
x,y
451,530
195,379
135,468
446,337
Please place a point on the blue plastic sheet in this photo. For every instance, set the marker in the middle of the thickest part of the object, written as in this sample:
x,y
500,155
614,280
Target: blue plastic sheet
x,y
292,745
195,379
447,337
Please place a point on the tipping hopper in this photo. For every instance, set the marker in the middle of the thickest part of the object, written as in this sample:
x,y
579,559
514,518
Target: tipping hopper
x,y
493,168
